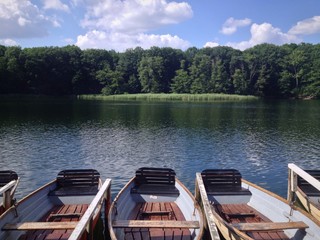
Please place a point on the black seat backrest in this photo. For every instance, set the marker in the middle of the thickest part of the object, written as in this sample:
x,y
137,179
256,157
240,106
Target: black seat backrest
x,y
155,176
307,187
7,176
221,178
78,178
313,173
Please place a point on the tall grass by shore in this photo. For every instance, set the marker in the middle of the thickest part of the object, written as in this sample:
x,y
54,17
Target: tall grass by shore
x,y
171,97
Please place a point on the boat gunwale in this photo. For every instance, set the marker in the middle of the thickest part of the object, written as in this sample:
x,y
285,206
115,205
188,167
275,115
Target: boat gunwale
x,y
27,197
92,212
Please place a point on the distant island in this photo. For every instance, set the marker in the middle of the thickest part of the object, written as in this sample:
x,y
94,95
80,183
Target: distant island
x,y
265,70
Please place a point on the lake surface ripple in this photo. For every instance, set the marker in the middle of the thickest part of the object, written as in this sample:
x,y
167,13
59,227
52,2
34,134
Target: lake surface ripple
x,y
40,137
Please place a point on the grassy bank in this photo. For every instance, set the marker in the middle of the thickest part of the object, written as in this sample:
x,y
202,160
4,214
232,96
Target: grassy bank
x,y
170,97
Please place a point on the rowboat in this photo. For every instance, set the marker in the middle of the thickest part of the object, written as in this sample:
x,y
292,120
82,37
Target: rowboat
x,y
242,210
306,193
155,205
8,184
65,208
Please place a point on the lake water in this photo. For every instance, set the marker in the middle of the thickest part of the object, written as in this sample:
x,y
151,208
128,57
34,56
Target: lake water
x,y
39,137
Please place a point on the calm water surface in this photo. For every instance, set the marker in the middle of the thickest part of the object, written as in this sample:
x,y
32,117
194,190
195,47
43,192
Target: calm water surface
x,y
39,137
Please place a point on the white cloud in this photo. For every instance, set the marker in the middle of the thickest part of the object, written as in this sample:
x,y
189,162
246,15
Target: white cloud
x,y
231,25
167,40
56,5
121,41
306,27
8,42
211,44
120,25
22,19
134,16
265,33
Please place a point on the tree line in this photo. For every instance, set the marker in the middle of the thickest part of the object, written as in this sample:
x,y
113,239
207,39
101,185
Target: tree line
x,y
267,70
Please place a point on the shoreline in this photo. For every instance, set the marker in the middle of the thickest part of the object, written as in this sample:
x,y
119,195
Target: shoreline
x,y
206,97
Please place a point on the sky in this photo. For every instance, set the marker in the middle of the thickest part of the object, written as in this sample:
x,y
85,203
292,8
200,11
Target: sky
x,y
122,24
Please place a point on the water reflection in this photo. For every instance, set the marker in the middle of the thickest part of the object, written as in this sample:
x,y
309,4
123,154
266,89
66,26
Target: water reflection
x,y
39,138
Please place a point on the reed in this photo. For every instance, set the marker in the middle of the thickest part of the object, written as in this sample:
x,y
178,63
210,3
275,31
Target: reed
x,y
207,97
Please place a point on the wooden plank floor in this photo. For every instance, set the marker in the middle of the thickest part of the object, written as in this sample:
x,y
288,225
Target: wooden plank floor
x,y
157,211
242,213
70,212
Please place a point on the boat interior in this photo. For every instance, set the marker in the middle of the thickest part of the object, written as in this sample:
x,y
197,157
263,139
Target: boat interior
x,y
154,192
6,177
230,200
312,193
70,198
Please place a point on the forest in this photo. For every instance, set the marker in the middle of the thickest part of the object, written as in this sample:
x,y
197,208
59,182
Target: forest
x,y
265,70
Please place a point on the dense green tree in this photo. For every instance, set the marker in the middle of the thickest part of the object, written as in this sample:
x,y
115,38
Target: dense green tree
x,y
128,66
220,79
150,72
181,83
170,62
268,59
111,81
239,82
290,70
13,71
200,73
94,60
311,86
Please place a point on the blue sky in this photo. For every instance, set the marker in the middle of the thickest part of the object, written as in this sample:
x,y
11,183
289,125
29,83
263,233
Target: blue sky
x,y
123,24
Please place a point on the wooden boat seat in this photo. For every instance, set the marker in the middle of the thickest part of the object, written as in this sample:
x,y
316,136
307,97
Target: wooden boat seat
x,y
270,226
223,182
155,181
253,223
306,187
77,182
64,215
155,224
7,176
25,226
57,223
156,212
134,228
